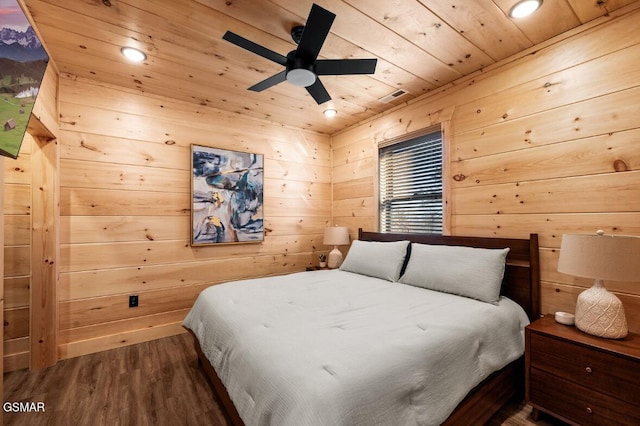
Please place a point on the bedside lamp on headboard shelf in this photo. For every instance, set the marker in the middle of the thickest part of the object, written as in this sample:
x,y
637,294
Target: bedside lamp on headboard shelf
x,y
335,236
601,257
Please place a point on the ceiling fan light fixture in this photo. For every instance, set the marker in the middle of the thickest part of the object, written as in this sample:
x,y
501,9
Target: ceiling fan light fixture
x,y
302,66
301,77
330,112
524,8
133,54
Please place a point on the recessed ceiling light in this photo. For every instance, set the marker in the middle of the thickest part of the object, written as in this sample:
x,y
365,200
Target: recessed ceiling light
x,y
524,8
330,112
133,54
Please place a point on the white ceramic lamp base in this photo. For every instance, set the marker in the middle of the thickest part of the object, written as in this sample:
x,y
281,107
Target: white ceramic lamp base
x,y
335,258
600,312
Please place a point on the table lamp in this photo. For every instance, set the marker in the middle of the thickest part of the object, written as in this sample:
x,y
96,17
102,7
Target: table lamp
x,y
601,257
335,236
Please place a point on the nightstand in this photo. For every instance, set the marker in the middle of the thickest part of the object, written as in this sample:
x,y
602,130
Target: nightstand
x,y
582,379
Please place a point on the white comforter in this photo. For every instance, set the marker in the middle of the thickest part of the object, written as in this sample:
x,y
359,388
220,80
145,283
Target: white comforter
x,y
338,348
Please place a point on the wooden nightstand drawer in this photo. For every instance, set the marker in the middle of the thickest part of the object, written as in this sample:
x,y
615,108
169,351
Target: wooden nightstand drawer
x,y
596,370
582,379
577,403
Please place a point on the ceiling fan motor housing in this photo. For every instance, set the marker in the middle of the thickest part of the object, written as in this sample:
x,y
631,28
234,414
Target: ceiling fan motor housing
x,y
300,72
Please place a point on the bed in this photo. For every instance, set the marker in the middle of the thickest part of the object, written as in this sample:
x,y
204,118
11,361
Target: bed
x,y
373,342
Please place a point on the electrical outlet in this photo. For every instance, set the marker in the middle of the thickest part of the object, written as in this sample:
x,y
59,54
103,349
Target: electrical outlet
x,y
133,300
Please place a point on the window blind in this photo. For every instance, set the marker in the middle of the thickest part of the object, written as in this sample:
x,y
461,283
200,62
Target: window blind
x,y
411,185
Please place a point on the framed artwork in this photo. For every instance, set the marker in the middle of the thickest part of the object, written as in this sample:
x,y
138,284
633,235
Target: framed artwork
x,y
227,198
23,62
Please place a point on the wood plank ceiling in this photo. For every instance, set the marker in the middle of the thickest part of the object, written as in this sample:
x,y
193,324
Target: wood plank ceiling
x,y
420,45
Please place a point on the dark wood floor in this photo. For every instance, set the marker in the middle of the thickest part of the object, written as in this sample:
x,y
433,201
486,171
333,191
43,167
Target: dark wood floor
x,y
152,383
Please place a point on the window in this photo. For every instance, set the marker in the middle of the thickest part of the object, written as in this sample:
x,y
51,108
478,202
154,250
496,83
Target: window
x,y
411,185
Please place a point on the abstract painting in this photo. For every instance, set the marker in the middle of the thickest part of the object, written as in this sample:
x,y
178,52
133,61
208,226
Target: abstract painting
x,y
23,62
227,196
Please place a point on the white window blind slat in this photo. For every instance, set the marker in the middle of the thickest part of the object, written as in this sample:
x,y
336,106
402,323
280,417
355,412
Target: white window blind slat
x,y
411,185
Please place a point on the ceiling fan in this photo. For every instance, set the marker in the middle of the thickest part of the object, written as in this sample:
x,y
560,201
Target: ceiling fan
x,y
302,66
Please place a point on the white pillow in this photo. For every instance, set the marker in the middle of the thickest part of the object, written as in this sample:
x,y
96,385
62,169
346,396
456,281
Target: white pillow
x,y
466,271
376,258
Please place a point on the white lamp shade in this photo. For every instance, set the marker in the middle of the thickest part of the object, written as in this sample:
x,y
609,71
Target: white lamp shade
x,y
602,257
336,236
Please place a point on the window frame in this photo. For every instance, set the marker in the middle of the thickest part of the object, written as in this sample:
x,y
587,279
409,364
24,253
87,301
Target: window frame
x,y
444,129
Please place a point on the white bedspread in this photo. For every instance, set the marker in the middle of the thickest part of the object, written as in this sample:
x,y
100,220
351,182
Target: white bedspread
x,y
338,348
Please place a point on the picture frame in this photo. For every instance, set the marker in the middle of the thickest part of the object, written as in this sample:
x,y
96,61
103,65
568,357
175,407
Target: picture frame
x,y
23,62
226,196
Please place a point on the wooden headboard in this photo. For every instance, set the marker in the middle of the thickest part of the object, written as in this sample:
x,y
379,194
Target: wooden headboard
x,y
522,273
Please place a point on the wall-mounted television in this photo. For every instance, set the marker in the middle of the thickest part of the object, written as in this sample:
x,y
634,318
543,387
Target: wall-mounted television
x,y
23,62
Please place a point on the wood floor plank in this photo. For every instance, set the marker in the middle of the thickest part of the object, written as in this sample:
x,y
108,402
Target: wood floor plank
x,y
150,383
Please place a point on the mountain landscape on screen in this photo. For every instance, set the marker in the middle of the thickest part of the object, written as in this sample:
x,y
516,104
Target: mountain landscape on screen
x,y
23,62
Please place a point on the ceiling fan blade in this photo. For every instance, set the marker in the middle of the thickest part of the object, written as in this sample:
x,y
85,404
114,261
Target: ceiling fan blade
x,y
269,82
315,32
255,48
345,66
318,92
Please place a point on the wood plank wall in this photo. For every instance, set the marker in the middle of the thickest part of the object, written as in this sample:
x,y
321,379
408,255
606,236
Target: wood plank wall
x,y
17,236
17,257
125,200
548,142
